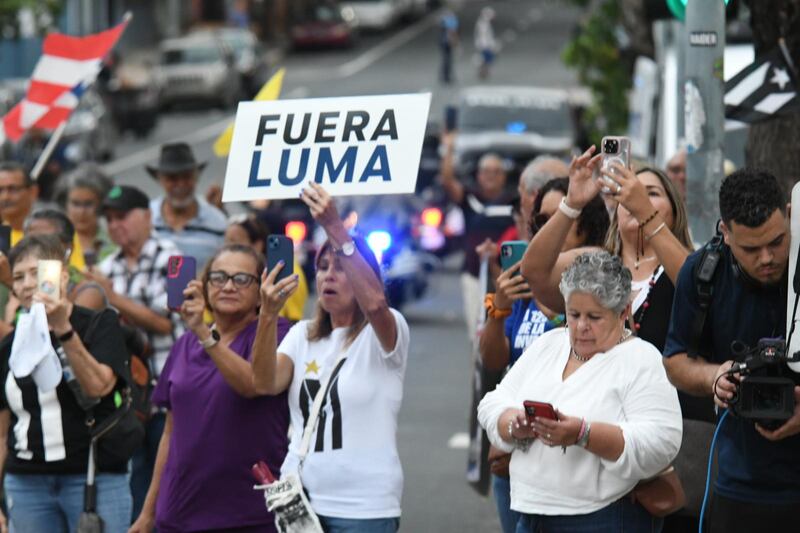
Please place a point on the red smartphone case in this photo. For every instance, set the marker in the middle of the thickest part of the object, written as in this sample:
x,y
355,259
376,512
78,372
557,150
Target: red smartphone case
x,y
540,409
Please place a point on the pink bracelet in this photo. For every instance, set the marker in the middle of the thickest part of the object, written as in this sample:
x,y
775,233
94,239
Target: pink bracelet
x,y
582,431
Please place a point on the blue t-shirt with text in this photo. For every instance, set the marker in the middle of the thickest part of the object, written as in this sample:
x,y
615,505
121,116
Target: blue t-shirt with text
x,y
524,325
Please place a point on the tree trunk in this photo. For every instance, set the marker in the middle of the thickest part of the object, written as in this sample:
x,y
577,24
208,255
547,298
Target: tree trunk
x,y
773,144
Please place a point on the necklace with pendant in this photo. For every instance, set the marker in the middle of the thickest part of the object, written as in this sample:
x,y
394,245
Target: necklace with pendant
x,y
625,334
637,262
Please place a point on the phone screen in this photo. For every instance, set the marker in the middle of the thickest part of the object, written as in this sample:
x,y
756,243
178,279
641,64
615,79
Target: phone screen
x,y
49,277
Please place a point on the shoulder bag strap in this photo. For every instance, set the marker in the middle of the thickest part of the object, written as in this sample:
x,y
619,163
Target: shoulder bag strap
x,y
313,416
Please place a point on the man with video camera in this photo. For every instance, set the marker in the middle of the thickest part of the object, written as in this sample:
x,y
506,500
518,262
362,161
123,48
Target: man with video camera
x,y
734,289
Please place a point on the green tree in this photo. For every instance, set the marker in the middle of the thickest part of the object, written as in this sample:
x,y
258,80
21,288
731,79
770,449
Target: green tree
x,y
594,52
43,11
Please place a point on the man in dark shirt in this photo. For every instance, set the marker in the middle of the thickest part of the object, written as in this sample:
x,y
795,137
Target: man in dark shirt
x,y
487,214
758,485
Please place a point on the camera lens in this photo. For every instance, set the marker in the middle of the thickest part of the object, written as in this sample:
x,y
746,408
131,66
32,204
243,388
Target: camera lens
x,y
611,146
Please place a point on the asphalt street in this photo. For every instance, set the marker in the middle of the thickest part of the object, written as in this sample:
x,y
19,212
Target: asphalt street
x,y
433,422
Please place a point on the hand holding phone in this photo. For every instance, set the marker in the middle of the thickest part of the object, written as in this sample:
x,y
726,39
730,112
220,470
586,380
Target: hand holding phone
x,y
614,150
538,409
48,277
181,269
280,248
511,253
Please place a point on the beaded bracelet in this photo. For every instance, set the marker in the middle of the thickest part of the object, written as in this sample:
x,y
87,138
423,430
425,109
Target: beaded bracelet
x,y
649,219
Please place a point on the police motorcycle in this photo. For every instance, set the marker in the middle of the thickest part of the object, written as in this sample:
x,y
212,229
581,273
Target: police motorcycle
x,y
386,223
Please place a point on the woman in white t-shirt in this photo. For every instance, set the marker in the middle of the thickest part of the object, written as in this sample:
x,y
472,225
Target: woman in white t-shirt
x,y
619,421
352,472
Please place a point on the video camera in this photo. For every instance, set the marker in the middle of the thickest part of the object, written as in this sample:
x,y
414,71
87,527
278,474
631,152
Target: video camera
x,y
765,395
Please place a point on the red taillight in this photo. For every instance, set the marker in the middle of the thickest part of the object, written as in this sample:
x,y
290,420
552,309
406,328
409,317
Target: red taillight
x,y
431,216
296,230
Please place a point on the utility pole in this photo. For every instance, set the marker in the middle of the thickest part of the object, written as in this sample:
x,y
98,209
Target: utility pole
x,y
704,114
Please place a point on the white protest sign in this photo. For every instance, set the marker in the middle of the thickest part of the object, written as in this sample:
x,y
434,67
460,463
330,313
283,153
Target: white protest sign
x,y
365,145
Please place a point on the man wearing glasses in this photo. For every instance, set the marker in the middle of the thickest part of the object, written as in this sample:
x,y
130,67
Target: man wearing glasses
x,y
18,193
135,281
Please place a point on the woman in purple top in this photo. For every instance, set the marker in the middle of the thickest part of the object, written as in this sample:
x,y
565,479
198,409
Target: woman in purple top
x,y
217,424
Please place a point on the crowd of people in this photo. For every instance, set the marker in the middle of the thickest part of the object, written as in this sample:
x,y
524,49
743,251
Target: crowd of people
x,y
616,353
227,374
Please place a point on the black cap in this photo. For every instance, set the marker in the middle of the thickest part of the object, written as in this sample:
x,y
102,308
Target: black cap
x,y
125,198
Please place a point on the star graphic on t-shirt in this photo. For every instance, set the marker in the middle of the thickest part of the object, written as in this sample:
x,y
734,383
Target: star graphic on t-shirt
x,y
312,367
781,78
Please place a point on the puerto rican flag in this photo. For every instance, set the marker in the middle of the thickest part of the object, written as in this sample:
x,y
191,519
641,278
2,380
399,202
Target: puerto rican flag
x,y
67,67
764,89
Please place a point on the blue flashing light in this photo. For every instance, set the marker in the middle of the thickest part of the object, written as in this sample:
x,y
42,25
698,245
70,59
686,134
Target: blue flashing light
x,y
516,127
379,241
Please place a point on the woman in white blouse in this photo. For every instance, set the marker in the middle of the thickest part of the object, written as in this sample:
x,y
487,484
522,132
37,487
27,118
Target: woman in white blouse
x,y
619,421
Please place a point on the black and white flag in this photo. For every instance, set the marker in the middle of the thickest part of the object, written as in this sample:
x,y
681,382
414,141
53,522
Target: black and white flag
x,y
763,89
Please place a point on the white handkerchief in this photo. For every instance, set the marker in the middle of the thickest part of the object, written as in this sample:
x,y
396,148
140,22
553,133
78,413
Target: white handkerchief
x,y
32,352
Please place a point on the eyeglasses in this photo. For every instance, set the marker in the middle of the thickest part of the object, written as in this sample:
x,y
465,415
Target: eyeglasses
x,y
241,280
88,205
13,189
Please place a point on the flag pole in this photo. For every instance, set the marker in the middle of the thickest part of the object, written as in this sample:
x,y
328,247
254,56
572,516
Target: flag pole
x,y
55,138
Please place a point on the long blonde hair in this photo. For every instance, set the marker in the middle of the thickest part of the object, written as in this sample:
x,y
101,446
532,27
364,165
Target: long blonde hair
x,y
680,218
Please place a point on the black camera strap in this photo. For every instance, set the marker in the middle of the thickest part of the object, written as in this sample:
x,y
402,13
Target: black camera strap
x,y
704,273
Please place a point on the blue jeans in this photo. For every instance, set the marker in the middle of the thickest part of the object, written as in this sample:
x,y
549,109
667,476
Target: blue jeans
x,y
144,459
38,503
501,488
620,516
359,525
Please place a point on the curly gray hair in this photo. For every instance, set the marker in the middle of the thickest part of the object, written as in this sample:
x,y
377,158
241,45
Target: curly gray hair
x,y
600,274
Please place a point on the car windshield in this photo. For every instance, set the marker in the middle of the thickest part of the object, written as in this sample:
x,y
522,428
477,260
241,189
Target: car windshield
x,y
515,114
237,43
194,55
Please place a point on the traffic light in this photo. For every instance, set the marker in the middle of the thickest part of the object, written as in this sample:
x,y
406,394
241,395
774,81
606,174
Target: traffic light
x,y
661,9
678,7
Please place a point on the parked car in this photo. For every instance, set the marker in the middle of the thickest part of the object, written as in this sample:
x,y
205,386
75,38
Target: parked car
x,y
198,67
377,15
325,25
518,123
249,55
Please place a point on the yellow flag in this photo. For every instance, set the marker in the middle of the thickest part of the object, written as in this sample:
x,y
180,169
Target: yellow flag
x,y
270,91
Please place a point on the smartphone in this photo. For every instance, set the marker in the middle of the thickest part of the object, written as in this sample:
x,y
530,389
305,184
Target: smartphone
x,y
48,277
511,252
5,238
540,409
181,269
450,118
614,150
280,248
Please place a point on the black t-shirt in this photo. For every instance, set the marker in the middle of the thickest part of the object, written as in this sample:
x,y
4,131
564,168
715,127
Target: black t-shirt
x,y
482,220
60,444
751,468
654,323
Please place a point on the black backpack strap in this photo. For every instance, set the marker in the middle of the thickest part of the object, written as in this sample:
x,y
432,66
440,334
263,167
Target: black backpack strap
x,y
704,273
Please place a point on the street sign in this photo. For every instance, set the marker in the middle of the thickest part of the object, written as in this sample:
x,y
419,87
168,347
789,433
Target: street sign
x,y
365,145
